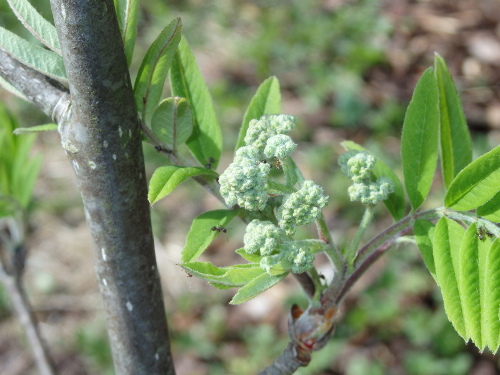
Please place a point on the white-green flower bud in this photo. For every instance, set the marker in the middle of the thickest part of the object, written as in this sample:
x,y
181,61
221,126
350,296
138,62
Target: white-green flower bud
x,y
358,165
263,237
244,181
259,131
300,258
280,146
372,192
302,207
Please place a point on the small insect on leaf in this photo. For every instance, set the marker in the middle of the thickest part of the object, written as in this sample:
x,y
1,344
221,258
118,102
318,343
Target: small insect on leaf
x,y
218,229
211,160
277,163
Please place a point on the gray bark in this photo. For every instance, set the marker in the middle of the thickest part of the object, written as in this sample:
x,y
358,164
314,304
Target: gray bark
x,y
102,138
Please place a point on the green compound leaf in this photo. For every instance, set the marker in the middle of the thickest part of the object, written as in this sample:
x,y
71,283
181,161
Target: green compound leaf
x,y
36,129
491,209
166,179
186,81
151,77
455,140
424,233
476,184
395,203
36,57
266,101
172,122
228,277
447,240
419,143
255,287
201,235
38,26
127,12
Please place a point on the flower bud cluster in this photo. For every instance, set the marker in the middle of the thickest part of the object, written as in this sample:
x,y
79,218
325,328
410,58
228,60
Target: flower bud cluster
x,y
244,181
302,207
279,252
358,165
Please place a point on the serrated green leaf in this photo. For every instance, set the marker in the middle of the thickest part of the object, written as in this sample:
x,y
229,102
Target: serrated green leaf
x,y
419,143
491,209
232,276
127,12
200,234
447,240
172,122
186,81
491,313
266,101
255,287
455,140
151,77
36,129
166,179
470,286
476,184
36,57
395,203
38,26
424,233
253,258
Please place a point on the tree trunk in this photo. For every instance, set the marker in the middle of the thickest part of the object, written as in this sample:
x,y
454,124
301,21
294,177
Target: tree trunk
x,y
101,136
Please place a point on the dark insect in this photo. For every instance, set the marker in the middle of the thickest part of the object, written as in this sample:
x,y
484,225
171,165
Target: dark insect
x,y
482,232
211,160
218,229
165,150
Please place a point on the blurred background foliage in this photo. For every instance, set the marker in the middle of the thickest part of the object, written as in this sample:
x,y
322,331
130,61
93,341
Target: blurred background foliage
x,y
347,69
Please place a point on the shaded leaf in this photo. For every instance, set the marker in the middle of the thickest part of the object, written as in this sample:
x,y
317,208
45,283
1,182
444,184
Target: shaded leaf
x,y
166,179
172,122
255,287
186,81
151,77
476,184
36,57
424,233
253,258
455,140
491,313
38,26
266,101
36,129
200,234
419,143
395,203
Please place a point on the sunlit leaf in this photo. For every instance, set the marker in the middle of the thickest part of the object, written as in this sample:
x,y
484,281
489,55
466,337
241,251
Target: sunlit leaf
x,y
491,209
232,276
151,77
166,179
201,234
187,82
455,140
419,143
127,13
476,184
255,287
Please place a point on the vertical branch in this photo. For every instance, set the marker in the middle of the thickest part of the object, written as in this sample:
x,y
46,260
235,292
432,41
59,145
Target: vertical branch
x,y
102,139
